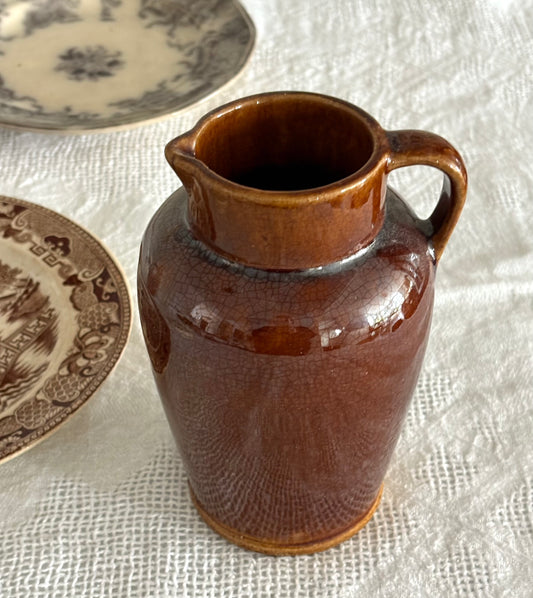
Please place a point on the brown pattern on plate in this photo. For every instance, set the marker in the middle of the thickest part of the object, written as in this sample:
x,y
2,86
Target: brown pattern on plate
x,y
65,317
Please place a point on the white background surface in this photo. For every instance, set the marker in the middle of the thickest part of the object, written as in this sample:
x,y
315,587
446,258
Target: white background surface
x,y
101,507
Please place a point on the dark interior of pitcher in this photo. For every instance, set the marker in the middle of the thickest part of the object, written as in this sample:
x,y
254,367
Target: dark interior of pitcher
x,y
286,143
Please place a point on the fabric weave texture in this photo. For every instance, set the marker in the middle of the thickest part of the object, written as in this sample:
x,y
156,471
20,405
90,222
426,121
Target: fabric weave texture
x,y
101,507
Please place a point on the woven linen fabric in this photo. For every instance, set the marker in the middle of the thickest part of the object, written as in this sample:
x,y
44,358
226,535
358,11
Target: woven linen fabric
x,y
101,507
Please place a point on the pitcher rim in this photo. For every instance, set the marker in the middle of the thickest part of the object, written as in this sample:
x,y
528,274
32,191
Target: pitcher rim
x,y
184,146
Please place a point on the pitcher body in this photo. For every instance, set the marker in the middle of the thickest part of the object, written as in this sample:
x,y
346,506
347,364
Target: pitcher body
x,y
286,298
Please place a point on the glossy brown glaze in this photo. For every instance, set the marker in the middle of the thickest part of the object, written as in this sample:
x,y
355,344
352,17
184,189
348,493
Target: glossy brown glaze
x,y
286,329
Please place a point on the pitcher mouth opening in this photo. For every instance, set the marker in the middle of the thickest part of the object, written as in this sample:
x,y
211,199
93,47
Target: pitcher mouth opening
x,y
287,142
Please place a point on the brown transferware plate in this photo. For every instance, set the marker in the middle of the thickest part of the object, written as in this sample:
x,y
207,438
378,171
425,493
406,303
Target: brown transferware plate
x,y
65,318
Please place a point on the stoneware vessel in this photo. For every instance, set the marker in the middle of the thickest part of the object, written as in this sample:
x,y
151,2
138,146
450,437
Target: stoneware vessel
x,y
286,296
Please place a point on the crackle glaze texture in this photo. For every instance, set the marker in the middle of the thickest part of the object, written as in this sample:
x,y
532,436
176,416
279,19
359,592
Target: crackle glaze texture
x,y
285,361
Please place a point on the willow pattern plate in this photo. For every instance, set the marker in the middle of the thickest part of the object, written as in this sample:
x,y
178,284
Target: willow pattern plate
x,y
82,65
65,317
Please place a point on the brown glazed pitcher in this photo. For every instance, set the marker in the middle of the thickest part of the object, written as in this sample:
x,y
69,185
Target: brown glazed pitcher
x,y
286,297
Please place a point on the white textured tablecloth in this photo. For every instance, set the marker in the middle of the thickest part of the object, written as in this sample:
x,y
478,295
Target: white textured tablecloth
x,y
101,508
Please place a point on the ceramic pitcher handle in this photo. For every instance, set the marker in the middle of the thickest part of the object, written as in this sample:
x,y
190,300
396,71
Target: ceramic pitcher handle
x,y
409,148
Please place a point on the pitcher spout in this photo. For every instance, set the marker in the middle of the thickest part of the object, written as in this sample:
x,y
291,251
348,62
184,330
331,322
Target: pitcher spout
x,y
180,154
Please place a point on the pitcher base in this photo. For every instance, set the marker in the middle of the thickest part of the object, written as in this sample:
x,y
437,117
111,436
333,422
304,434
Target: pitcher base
x,y
279,549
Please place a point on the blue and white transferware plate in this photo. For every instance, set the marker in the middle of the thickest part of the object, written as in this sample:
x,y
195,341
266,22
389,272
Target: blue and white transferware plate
x,y
85,65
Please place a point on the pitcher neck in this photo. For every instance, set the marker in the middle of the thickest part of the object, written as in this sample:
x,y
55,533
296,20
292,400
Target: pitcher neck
x,y
288,183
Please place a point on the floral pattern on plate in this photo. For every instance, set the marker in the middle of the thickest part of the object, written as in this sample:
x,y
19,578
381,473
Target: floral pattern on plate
x,y
90,62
